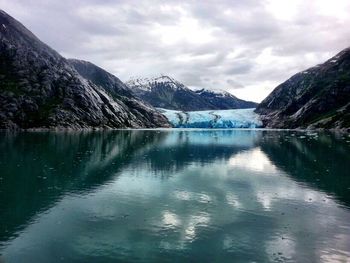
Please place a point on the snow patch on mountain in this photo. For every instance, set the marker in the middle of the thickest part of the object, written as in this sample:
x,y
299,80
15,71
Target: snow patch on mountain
x,y
147,84
238,118
215,92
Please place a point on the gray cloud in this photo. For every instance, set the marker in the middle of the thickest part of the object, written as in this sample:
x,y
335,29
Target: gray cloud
x,y
239,68
234,84
245,47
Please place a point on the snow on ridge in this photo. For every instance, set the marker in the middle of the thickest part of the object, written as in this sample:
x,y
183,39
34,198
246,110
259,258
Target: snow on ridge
x,y
237,118
148,82
216,92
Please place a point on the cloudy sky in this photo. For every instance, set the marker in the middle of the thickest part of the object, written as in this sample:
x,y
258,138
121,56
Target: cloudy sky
x,y
245,47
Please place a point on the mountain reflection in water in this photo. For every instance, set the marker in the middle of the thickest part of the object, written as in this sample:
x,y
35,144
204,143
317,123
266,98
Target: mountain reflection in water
x,y
172,195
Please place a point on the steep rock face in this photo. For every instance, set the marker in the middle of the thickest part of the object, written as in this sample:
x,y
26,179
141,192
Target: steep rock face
x,y
101,77
120,92
318,97
225,100
165,92
40,89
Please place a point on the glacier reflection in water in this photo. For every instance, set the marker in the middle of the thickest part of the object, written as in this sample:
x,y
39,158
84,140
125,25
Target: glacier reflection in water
x,y
171,195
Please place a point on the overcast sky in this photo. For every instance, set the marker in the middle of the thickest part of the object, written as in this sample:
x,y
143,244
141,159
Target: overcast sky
x,y
245,47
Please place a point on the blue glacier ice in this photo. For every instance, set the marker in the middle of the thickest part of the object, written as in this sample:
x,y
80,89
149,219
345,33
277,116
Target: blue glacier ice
x,y
238,118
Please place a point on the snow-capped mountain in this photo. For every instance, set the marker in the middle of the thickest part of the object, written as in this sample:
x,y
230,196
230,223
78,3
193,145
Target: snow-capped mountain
x,y
147,84
216,92
166,92
225,100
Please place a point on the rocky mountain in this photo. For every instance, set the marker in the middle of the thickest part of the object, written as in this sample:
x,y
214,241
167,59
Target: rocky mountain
x,y
41,89
225,100
318,97
119,92
165,92
101,78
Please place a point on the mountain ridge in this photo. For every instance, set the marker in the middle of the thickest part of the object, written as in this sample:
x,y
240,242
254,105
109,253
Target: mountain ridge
x,y
225,100
117,89
318,97
166,92
40,89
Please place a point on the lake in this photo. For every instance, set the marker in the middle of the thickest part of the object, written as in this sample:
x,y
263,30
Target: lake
x,y
175,196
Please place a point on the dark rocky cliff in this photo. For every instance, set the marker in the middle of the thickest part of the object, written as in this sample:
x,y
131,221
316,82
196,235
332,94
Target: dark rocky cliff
x,y
120,92
40,89
318,97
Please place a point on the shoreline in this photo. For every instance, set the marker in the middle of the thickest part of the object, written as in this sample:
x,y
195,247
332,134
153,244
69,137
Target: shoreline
x,y
341,130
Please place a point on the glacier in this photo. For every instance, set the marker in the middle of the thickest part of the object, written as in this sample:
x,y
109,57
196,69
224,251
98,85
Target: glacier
x,y
237,118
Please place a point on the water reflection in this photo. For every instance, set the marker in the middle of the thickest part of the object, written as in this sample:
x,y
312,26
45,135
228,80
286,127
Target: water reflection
x,y
319,159
228,196
255,160
38,168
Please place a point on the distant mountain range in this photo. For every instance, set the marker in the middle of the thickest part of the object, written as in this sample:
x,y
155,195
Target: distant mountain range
x,y
166,92
41,89
223,100
318,97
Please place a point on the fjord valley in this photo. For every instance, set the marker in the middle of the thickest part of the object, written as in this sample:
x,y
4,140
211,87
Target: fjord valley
x,y
41,89
231,156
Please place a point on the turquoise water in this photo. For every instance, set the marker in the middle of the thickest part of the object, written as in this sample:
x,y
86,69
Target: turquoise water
x,y
175,196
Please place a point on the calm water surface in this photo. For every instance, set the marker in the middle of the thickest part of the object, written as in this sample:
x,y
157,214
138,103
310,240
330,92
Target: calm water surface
x,y
175,196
